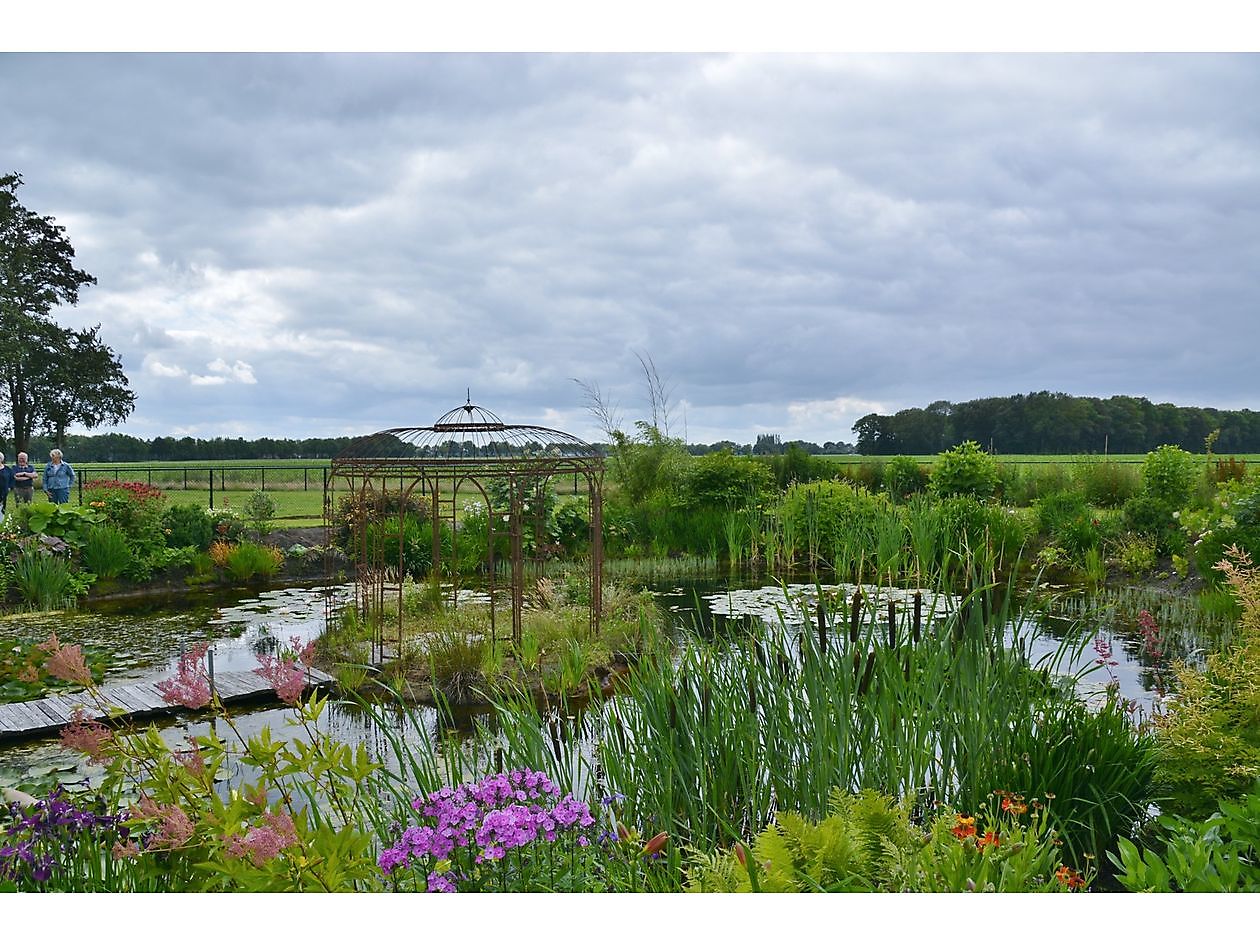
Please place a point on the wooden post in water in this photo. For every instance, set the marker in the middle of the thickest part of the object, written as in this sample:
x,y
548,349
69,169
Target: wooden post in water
x,y
892,624
918,615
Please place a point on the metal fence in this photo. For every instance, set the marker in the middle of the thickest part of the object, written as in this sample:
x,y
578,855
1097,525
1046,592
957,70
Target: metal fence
x,y
215,482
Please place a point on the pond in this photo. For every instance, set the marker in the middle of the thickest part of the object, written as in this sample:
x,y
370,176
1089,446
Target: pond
x,y
143,639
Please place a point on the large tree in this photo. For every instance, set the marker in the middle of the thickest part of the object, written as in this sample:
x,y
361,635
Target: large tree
x,y
50,377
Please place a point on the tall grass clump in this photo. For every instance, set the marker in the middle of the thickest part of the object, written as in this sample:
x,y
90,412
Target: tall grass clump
x,y
43,580
247,561
1107,483
710,743
105,552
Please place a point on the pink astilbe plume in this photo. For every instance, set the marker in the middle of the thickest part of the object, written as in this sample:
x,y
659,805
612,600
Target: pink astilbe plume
x,y
174,827
190,687
304,654
265,841
87,736
191,758
284,675
65,662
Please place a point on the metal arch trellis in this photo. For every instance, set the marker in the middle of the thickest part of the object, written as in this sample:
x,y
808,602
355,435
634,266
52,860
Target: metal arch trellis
x,y
467,445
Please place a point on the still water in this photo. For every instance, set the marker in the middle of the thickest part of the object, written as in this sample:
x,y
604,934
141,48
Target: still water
x,y
143,640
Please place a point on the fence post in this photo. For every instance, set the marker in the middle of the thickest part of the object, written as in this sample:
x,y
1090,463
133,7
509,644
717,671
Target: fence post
x,y
80,481
305,487
264,478
185,478
211,488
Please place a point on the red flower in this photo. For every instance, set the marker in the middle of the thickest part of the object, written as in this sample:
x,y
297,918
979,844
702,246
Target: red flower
x,y
1069,877
990,839
964,828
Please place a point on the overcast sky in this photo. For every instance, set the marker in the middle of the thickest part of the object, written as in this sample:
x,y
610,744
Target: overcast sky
x,y
295,245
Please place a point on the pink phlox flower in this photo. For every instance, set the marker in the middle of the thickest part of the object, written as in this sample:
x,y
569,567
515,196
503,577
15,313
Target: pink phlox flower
x,y
65,662
190,686
86,735
284,675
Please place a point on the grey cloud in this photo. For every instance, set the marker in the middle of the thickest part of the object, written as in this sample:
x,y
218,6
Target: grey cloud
x,y
374,234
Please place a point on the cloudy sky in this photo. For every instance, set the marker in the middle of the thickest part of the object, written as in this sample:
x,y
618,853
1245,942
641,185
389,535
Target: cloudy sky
x,y
296,245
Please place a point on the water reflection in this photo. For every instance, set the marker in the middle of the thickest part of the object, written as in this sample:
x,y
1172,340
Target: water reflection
x,y
145,638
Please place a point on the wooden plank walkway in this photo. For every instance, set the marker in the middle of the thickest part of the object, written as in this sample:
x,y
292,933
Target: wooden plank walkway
x,y
20,720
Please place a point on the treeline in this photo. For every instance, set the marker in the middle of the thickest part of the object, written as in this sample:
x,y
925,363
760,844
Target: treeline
x,y
121,448
1057,423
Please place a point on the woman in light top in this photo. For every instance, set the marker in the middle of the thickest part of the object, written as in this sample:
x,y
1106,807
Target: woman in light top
x,y
58,478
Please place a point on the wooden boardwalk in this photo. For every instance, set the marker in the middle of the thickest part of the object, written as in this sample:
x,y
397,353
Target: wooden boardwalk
x,y
19,720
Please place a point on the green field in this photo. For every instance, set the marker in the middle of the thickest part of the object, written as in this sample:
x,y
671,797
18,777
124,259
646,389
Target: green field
x,y
297,486
1038,459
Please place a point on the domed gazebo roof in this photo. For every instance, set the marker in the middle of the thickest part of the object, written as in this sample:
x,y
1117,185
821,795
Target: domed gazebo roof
x,y
469,436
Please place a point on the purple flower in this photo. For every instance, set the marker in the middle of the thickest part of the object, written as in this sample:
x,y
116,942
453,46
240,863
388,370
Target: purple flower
x,y
440,883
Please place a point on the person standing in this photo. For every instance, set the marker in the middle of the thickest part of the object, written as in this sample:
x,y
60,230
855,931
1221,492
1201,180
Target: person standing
x,y
6,483
58,478
23,476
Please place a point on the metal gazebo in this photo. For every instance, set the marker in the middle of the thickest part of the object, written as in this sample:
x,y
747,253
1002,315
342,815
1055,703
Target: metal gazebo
x,y
403,470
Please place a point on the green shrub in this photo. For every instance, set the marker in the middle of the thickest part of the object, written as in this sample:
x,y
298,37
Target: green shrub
x,y
905,476
1209,740
965,470
1154,518
831,518
1024,484
133,507
1135,554
105,552
187,524
1058,510
410,542
570,525
1108,484
259,510
1168,475
226,525
364,509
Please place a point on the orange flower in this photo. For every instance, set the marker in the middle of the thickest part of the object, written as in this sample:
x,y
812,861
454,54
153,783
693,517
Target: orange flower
x,y
990,839
964,828
655,844
1014,806
1069,877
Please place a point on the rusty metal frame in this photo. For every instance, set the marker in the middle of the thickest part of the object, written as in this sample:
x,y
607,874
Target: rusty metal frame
x,y
465,445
